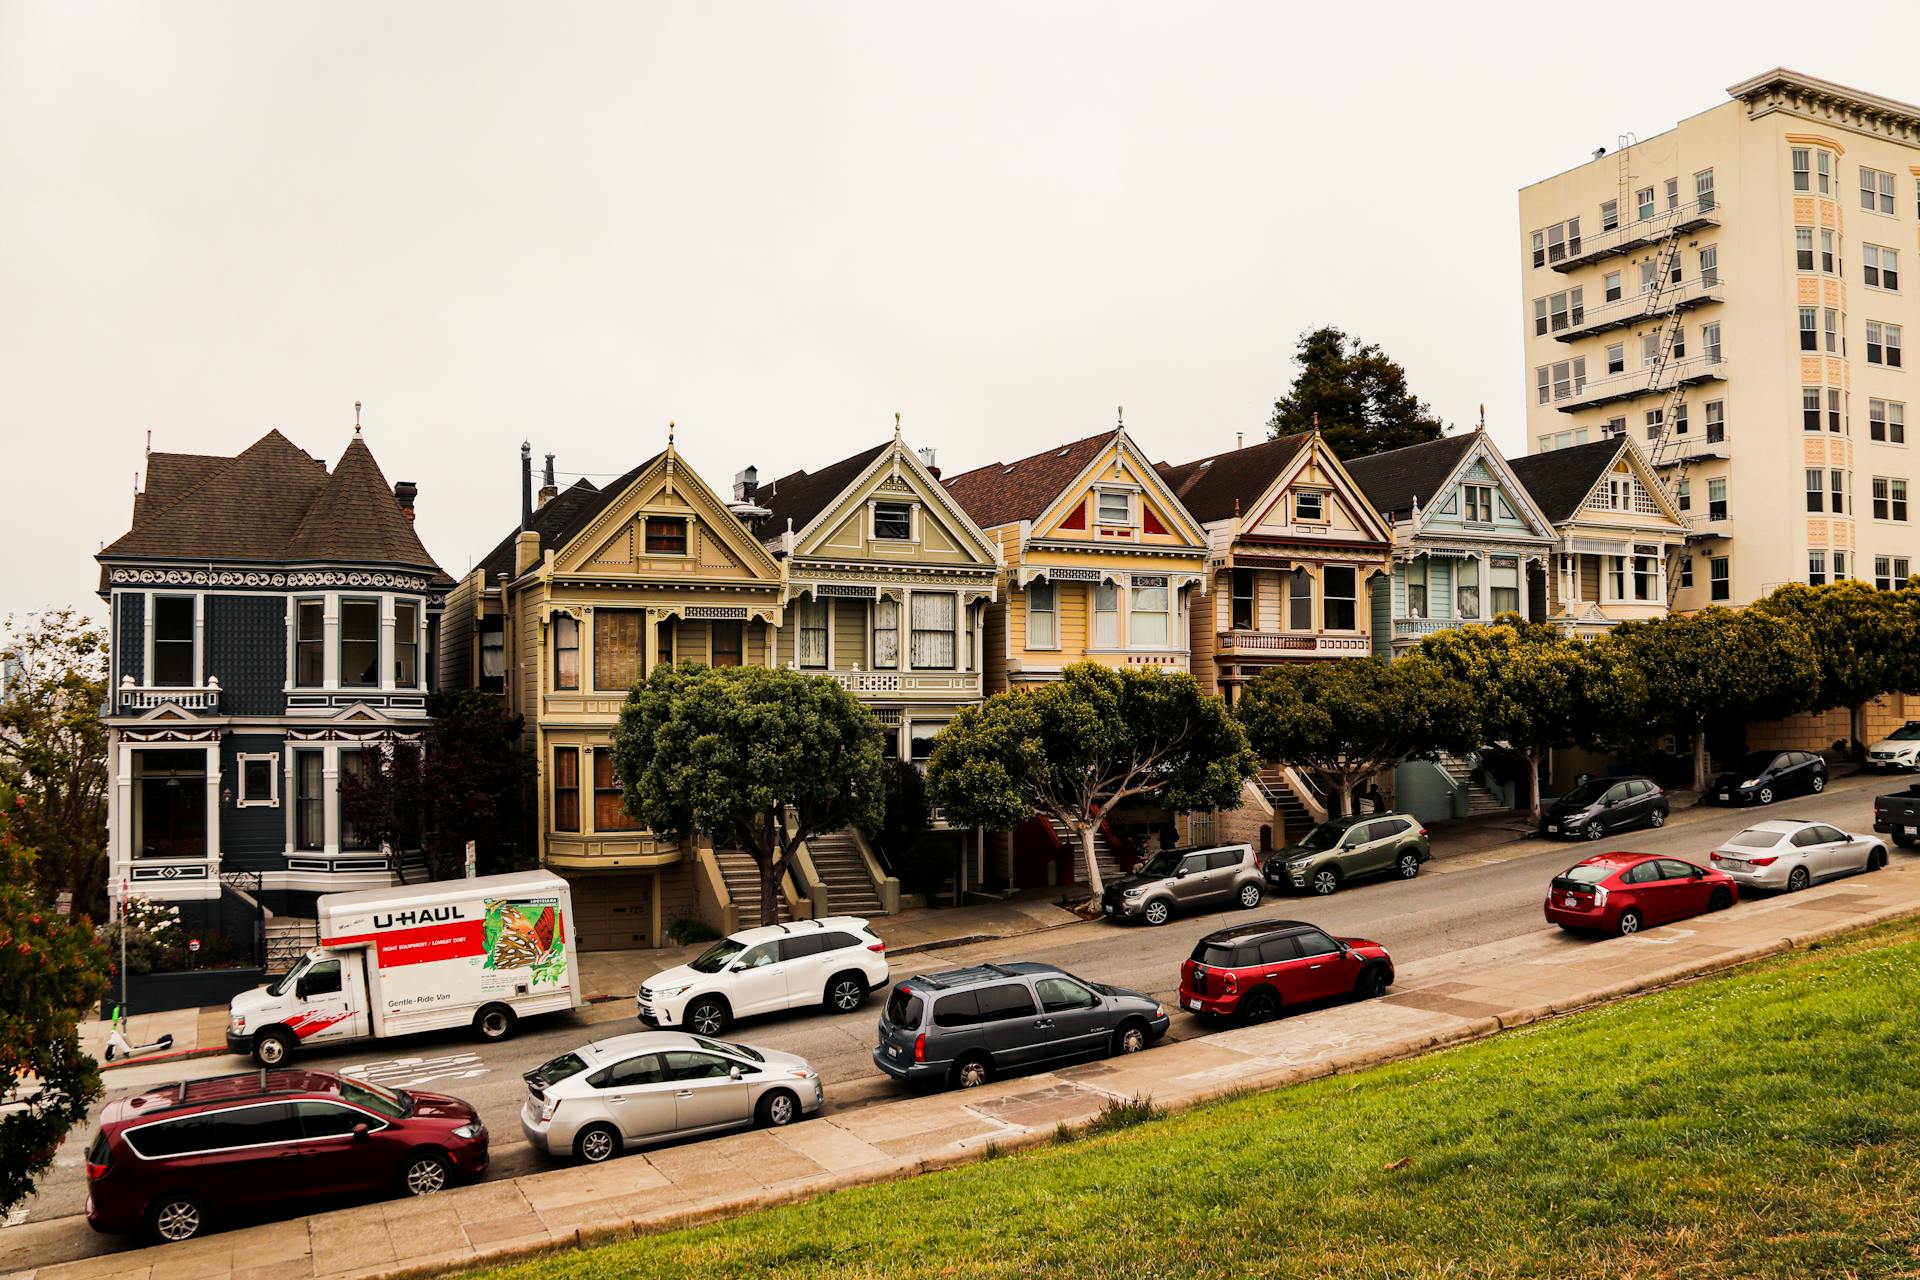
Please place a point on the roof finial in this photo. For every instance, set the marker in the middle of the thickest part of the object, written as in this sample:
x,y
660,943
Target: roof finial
x,y
669,435
1316,424
149,449
1120,417
896,426
356,417
1483,416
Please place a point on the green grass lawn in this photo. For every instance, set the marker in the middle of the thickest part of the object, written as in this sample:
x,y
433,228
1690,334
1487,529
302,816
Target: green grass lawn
x,y
1763,1124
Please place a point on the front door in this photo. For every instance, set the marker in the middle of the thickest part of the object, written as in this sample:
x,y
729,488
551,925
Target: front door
x,y
1373,847
329,1005
639,1097
1079,1021
1016,1031
332,1160
705,1093
1321,966
759,980
1191,885
1683,888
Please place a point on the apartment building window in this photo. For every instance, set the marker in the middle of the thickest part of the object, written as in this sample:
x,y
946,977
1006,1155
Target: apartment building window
x,y
810,634
1609,215
1836,413
1883,344
666,536
406,644
1802,169
617,648
1563,439
1710,266
1649,275
932,616
1417,587
1539,248
1716,421
1479,503
566,788
1710,342
360,642
1810,408
1673,193
173,641
1147,614
1563,240
1816,489
1833,331
892,521
1679,349
1543,383
1649,349
1880,267
1617,358
1680,418
1569,377
609,800
1467,588
1839,565
1890,573
309,643
727,643
1876,190
1242,614
1719,578
1837,483
1563,309
1539,316
1310,507
1615,428
1717,499
1339,586
1889,499
1703,189
1809,328
1686,571
1611,283
1829,263
1300,600
566,652
1106,614
1816,568
886,634
1887,421
1043,615
1823,168
1683,495
1656,423
1643,203
1503,581
1803,248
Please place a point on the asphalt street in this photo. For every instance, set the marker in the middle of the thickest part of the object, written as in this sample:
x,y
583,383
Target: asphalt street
x,y
1455,903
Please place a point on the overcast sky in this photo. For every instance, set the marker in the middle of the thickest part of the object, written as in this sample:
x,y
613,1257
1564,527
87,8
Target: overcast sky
x,y
777,224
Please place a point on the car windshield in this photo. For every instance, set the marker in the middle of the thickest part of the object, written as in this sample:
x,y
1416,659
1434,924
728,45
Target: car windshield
x,y
1905,733
725,1046
287,979
391,1103
716,957
1163,863
1585,793
1755,838
1590,872
1754,761
561,1068
1325,836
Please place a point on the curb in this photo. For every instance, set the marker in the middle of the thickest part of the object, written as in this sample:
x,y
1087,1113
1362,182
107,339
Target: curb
x,y
147,1060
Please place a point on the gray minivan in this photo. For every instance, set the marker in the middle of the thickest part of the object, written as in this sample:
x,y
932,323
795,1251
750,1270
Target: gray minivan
x,y
967,1025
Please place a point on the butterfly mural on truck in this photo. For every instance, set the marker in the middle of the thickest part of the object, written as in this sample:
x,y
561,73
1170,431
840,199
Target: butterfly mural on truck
x,y
527,935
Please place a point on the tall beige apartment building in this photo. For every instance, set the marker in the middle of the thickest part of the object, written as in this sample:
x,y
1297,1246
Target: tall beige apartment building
x,y
1739,294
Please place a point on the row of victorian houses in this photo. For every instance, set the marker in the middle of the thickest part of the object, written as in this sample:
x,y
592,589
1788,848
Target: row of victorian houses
x,y
276,620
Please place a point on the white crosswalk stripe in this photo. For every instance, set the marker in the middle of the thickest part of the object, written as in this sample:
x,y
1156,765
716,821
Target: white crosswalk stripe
x,y
406,1073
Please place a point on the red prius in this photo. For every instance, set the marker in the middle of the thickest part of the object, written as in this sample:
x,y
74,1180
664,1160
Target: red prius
x,y
1624,893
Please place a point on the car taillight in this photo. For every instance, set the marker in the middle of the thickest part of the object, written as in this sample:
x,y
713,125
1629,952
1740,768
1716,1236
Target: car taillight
x,y
1233,986
920,1047
95,1172
880,947
1599,897
1763,862
1423,831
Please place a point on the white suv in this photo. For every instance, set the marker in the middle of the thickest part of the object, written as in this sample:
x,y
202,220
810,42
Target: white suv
x,y
836,961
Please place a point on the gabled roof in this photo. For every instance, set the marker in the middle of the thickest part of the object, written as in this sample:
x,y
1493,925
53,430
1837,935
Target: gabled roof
x,y
1002,493
272,502
799,497
572,510
1393,480
1217,487
1559,481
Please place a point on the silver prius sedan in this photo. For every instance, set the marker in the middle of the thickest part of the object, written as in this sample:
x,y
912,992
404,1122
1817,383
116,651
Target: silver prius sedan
x,y
602,1098
1792,855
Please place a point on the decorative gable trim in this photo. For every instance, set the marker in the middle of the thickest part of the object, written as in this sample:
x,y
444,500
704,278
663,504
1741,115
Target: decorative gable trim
x,y
897,469
1664,504
1144,476
1482,464
674,478
1351,496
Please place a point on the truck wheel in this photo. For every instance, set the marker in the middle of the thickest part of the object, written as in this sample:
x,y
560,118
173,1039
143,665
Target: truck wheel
x,y
1906,842
272,1047
494,1022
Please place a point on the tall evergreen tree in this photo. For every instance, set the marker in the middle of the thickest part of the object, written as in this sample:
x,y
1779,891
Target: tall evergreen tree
x,y
1358,395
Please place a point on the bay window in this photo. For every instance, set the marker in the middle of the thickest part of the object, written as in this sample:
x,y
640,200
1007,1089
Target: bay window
x,y
309,801
727,642
886,634
566,652
406,644
356,767
1417,587
1147,618
309,643
173,641
360,642
1503,581
932,618
566,788
169,803
1338,596
1242,608
1300,600
1106,615
609,799
1467,589
618,638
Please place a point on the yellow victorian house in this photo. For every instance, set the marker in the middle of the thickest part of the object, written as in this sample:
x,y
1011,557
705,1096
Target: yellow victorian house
x,y
596,588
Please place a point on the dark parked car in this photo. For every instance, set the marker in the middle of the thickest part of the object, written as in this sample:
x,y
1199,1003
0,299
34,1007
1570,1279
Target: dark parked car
x,y
169,1159
1253,971
1601,806
967,1025
1343,849
1185,879
1897,814
1765,776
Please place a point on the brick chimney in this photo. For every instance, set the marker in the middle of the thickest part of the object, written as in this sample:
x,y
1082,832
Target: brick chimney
x,y
404,492
549,489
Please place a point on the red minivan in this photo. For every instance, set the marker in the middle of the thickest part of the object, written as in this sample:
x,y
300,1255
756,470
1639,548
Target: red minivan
x,y
1253,971
166,1160
1624,893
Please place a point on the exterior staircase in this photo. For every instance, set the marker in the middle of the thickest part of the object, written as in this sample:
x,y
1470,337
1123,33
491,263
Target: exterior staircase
x,y
410,867
1102,852
1479,799
288,938
742,878
1294,818
843,874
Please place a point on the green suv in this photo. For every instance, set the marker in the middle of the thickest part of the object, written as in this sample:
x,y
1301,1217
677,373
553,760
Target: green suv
x,y
1343,849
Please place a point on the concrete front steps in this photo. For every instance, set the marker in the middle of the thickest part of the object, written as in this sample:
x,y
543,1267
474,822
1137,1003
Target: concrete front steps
x,y
842,872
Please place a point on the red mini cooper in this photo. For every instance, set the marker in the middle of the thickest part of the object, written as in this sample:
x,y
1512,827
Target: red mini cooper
x,y
1253,971
1626,892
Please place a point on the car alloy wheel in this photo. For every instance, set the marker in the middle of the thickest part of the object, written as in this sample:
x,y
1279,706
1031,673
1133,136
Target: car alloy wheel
x,y
596,1143
1259,1006
1326,881
1596,829
709,1018
178,1218
778,1109
1132,1039
848,994
1372,983
1157,912
1876,858
425,1175
1659,818
1409,866
1766,795
1629,923
1250,895
1798,879
1819,783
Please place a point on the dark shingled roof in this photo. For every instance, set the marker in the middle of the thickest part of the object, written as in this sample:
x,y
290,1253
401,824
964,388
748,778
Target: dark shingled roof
x,y
1394,479
1217,487
801,496
1001,493
566,514
271,503
1560,481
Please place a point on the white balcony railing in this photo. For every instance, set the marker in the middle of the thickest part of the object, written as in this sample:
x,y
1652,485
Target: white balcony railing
x,y
133,697
1632,309
961,684
1643,382
1242,642
1631,235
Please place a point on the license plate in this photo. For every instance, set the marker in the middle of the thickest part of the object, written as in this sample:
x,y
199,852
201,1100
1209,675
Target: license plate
x,y
1193,1004
1726,795
893,1051
1111,910
1553,828
1573,902
1911,831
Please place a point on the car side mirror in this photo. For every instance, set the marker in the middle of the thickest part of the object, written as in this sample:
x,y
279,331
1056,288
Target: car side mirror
x,y
733,1073
360,1132
738,967
1179,873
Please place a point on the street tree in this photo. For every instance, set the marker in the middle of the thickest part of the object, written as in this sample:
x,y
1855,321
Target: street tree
x,y
1867,643
767,757
1537,688
465,781
1356,393
1347,720
1078,747
53,749
1717,666
53,972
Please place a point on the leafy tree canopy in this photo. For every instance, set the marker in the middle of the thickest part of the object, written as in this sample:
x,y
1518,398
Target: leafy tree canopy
x,y
53,749
1359,395
1866,641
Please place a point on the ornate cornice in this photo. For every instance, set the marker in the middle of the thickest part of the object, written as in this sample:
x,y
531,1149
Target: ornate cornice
x,y
275,579
1830,104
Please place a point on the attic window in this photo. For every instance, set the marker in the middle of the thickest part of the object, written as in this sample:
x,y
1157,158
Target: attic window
x,y
666,536
1309,505
1116,507
893,520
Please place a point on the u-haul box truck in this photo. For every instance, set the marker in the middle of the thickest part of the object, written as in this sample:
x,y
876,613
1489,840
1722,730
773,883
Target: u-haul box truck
x,y
483,953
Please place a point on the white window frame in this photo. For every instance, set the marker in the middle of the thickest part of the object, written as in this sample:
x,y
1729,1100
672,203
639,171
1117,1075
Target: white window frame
x,y
196,674
1890,573
1051,613
1800,162
1106,615
1102,496
1319,499
1477,503
1135,613
873,525
241,800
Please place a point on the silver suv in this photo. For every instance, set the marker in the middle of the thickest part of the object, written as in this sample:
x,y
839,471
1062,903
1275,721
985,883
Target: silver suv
x,y
1183,879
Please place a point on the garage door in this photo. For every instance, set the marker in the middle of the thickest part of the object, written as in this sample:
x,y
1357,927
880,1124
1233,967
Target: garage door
x,y
614,912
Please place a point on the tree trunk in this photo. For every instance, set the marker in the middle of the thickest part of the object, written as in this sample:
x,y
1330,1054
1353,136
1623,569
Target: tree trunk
x,y
1086,832
1346,795
1857,731
769,889
1700,759
1536,813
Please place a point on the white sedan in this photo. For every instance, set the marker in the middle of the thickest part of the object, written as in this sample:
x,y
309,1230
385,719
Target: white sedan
x,y
1793,855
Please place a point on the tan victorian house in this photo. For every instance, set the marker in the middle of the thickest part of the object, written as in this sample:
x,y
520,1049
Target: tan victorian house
x,y
597,588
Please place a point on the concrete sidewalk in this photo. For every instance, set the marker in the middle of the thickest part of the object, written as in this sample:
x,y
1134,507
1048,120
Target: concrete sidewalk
x,y
1456,997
